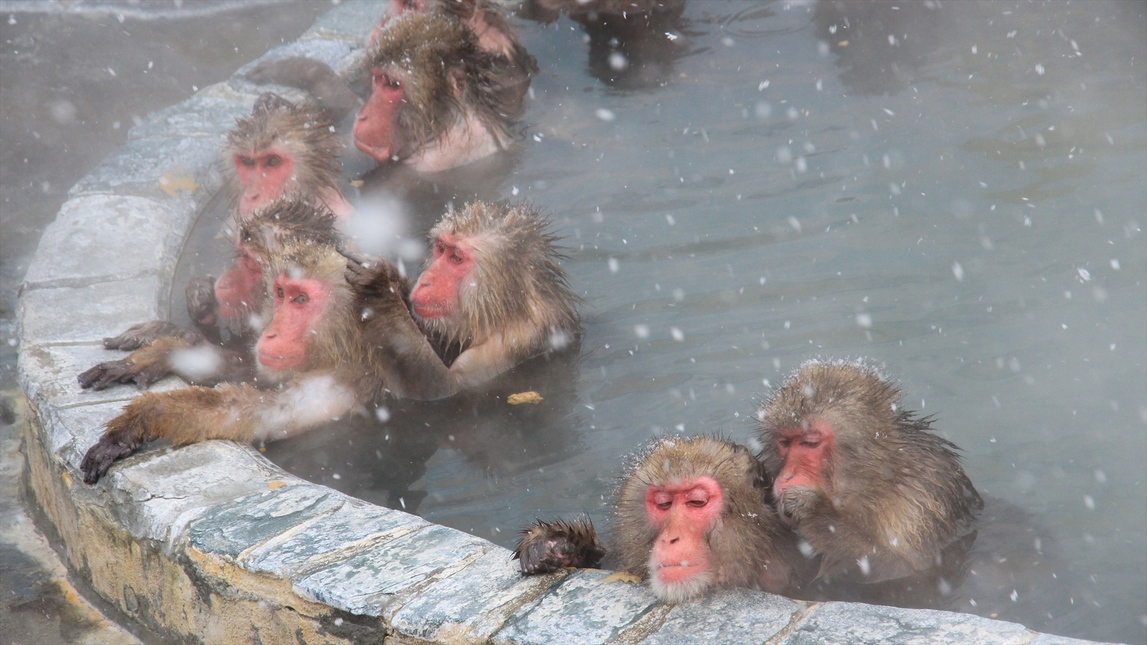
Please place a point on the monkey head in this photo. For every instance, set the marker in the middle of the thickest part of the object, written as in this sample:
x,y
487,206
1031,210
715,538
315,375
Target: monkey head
x,y
692,515
282,148
424,67
495,270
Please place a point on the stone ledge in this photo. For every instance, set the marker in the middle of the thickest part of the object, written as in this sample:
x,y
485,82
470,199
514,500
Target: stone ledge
x,y
212,543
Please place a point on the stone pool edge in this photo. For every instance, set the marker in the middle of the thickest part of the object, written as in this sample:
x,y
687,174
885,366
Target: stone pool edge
x,y
212,543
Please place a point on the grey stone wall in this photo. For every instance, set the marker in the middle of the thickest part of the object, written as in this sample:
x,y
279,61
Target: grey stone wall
x,y
212,543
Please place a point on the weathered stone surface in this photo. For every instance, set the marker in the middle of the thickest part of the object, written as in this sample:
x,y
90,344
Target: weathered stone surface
x,y
109,308
841,622
157,493
75,429
139,165
326,51
354,526
232,528
48,375
200,116
365,583
582,609
105,237
470,605
732,617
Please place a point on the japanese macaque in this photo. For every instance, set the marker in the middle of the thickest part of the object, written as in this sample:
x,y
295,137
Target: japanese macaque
x,y
861,479
258,236
279,150
692,514
493,295
510,66
282,148
436,102
315,363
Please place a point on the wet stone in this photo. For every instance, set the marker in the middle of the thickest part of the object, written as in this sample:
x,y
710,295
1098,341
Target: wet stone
x,y
48,375
140,164
471,604
733,616
107,307
232,528
353,527
74,430
100,237
367,582
199,116
841,622
160,492
582,609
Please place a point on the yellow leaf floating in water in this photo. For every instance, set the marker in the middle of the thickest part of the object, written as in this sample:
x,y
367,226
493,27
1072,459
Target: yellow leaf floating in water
x,y
622,576
171,184
524,397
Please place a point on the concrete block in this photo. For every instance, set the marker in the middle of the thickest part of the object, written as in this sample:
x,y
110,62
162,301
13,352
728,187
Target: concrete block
x,y
109,309
843,622
366,583
731,616
351,528
470,605
242,524
138,166
159,492
584,608
98,238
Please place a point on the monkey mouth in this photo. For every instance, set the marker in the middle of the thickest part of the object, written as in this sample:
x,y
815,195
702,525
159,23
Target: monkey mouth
x,y
678,572
277,363
429,311
376,152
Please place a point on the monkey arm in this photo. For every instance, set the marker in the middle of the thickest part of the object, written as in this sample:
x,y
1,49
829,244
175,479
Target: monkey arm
x,y
546,547
144,334
237,412
414,369
195,362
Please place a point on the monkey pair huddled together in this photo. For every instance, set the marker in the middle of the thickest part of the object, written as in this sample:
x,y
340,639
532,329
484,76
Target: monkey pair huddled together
x,y
850,490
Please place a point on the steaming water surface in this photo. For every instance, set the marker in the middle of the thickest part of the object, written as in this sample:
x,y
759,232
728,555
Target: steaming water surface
x,y
953,190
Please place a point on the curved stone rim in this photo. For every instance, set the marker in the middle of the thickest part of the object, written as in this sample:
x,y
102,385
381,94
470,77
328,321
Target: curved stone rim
x,y
212,542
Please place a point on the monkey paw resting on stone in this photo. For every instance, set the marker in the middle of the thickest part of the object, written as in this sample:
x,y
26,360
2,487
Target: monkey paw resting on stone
x,y
691,515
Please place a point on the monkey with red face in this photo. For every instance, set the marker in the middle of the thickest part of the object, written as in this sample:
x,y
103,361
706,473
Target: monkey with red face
x,y
692,514
870,490
315,361
492,295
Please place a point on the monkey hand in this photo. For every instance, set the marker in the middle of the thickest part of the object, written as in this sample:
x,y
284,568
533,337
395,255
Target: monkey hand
x,y
798,503
110,448
372,278
144,334
201,302
547,547
127,370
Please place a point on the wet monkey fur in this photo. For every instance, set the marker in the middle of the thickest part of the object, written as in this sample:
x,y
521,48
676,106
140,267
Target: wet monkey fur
x,y
870,490
692,514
